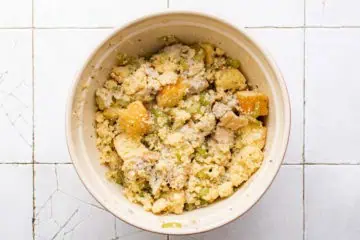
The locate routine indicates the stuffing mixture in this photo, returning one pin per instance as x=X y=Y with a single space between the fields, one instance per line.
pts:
x=180 y=129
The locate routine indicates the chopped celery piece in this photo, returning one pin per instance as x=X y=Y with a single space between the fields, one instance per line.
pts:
x=171 y=225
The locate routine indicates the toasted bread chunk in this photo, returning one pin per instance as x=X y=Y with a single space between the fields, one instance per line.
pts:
x=253 y=103
x=233 y=122
x=128 y=148
x=209 y=53
x=252 y=134
x=134 y=120
x=171 y=95
x=230 y=78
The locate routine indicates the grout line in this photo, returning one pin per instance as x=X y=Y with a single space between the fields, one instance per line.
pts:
x=55 y=163
x=304 y=122
x=33 y=118
x=301 y=27
x=331 y=27
x=14 y=28
x=16 y=163
x=272 y=27
x=168 y=237
x=321 y=164
x=32 y=163
x=303 y=201
x=70 y=27
x=331 y=164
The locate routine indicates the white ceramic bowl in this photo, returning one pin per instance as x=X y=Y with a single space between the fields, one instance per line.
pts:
x=140 y=37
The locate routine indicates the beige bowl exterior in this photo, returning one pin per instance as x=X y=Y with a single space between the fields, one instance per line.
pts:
x=141 y=37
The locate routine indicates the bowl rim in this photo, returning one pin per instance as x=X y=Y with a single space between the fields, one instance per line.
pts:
x=72 y=92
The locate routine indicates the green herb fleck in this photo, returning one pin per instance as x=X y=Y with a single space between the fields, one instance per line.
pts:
x=233 y=62
x=202 y=174
x=203 y=100
x=203 y=192
x=202 y=152
x=178 y=157
x=171 y=225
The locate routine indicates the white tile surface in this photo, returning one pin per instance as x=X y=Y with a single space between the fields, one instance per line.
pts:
x=65 y=210
x=332 y=95
x=290 y=59
x=332 y=202
x=59 y=54
x=249 y=13
x=15 y=13
x=15 y=202
x=278 y=215
x=15 y=96
x=332 y=12
x=91 y=13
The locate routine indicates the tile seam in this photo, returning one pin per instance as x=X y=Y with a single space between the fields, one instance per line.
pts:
x=33 y=119
x=304 y=125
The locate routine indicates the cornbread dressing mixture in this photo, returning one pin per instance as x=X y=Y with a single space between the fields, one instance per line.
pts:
x=180 y=129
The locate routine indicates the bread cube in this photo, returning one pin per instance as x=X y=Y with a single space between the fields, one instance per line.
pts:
x=104 y=98
x=134 y=120
x=230 y=78
x=226 y=189
x=112 y=113
x=162 y=63
x=250 y=157
x=252 y=134
x=128 y=148
x=160 y=205
x=233 y=122
x=253 y=103
x=120 y=72
x=209 y=53
x=171 y=95
x=244 y=164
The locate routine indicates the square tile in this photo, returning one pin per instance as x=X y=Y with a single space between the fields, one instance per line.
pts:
x=65 y=210
x=16 y=201
x=332 y=95
x=332 y=202
x=15 y=13
x=59 y=54
x=91 y=13
x=249 y=13
x=278 y=215
x=287 y=48
x=332 y=12
x=15 y=96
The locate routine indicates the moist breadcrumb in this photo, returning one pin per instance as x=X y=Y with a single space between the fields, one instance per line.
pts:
x=180 y=129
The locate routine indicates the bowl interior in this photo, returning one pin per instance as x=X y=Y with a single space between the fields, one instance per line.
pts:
x=142 y=38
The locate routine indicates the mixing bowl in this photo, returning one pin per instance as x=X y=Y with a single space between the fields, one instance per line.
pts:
x=141 y=37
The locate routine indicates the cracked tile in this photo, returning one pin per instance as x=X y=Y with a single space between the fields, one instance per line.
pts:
x=290 y=59
x=278 y=215
x=15 y=201
x=15 y=95
x=65 y=210
x=59 y=54
x=91 y=13
x=249 y=13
